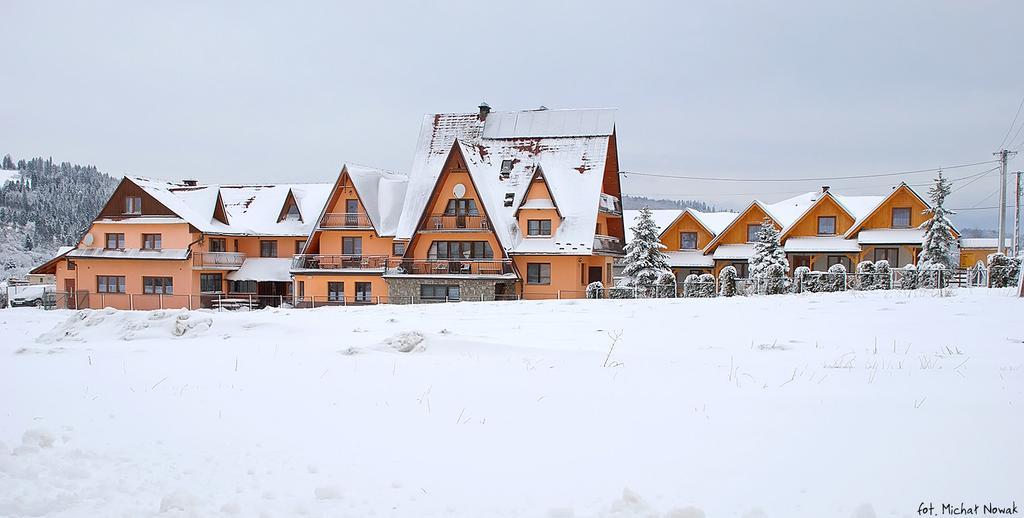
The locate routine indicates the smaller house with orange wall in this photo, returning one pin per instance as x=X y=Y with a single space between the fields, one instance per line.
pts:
x=684 y=234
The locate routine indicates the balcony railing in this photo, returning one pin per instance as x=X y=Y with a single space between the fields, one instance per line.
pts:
x=607 y=244
x=452 y=222
x=450 y=266
x=339 y=262
x=220 y=260
x=610 y=204
x=346 y=220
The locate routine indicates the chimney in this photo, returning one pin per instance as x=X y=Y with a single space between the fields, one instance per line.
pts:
x=484 y=110
x=190 y=183
x=824 y=189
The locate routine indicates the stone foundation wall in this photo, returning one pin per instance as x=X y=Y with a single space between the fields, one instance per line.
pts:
x=407 y=290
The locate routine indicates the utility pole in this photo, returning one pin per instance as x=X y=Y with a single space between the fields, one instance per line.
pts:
x=1003 y=154
x=1016 y=217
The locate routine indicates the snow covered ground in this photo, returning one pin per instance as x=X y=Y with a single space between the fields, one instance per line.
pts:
x=850 y=405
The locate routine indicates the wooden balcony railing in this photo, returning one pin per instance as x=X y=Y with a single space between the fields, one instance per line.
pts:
x=339 y=262
x=453 y=222
x=220 y=260
x=346 y=220
x=607 y=244
x=450 y=266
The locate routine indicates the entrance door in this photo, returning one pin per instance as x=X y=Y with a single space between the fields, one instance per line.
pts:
x=363 y=293
x=593 y=274
x=71 y=298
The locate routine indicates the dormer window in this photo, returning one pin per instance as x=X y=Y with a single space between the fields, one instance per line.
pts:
x=826 y=225
x=293 y=212
x=901 y=217
x=506 y=169
x=133 y=205
x=510 y=198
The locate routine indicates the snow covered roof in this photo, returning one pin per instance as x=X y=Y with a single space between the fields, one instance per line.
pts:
x=787 y=211
x=734 y=251
x=714 y=222
x=569 y=146
x=263 y=269
x=662 y=218
x=821 y=244
x=983 y=242
x=250 y=209
x=890 y=236
x=381 y=193
x=692 y=258
x=130 y=253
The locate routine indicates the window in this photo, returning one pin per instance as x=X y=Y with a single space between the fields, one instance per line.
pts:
x=460 y=250
x=901 y=217
x=398 y=248
x=151 y=241
x=298 y=246
x=133 y=205
x=351 y=213
x=268 y=248
x=687 y=240
x=439 y=292
x=336 y=291
x=741 y=269
x=158 y=285
x=115 y=241
x=506 y=169
x=840 y=259
x=461 y=207
x=293 y=212
x=302 y=289
x=211 y=282
x=538 y=273
x=218 y=244
x=826 y=225
x=352 y=245
x=236 y=245
x=71 y=264
x=538 y=227
x=752 y=230
x=887 y=254
x=242 y=286
x=363 y=292
x=110 y=283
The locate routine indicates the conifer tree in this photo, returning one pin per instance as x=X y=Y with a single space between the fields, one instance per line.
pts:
x=768 y=265
x=937 y=245
x=644 y=259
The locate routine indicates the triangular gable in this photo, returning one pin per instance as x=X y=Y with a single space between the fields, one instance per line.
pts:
x=810 y=209
x=754 y=204
x=680 y=218
x=289 y=201
x=858 y=224
x=456 y=158
x=332 y=199
x=219 y=212
x=127 y=187
x=538 y=174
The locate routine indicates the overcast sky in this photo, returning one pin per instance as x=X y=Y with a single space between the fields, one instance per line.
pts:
x=248 y=91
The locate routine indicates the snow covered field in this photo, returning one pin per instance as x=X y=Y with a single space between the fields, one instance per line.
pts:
x=849 y=405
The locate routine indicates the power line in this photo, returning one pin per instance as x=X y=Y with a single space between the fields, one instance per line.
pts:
x=1012 y=123
x=807 y=179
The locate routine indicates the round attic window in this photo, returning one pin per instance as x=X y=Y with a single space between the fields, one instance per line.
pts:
x=459 y=190
x=87 y=240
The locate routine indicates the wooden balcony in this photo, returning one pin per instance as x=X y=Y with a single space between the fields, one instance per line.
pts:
x=450 y=222
x=319 y=262
x=350 y=220
x=610 y=204
x=607 y=245
x=217 y=260
x=450 y=267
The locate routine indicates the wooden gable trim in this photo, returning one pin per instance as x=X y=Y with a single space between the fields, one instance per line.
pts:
x=114 y=207
x=859 y=225
x=807 y=212
x=314 y=233
x=715 y=241
x=680 y=218
x=289 y=200
x=456 y=153
x=538 y=174
x=219 y=212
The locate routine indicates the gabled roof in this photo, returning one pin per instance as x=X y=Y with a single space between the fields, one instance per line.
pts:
x=239 y=209
x=538 y=174
x=381 y=193
x=570 y=146
x=714 y=241
x=712 y=222
x=820 y=199
x=879 y=203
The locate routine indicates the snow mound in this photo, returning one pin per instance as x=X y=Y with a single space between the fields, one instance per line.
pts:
x=178 y=501
x=407 y=342
x=87 y=325
x=327 y=493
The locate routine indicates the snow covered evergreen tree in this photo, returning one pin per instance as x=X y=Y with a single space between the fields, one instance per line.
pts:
x=1002 y=270
x=727 y=281
x=835 y=279
x=883 y=275
x=768 y=265
x=908 y=278
x=644 y=259
x=937 y=246
x=865 y=275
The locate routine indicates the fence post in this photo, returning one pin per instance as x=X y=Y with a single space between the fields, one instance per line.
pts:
x=558 y=295
x=131 y=301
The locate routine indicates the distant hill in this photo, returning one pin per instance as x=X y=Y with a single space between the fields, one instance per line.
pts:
x=44 y=205
x=639 y=202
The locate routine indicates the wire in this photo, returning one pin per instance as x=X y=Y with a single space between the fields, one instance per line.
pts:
x=828 y=178
x=1012 y=123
